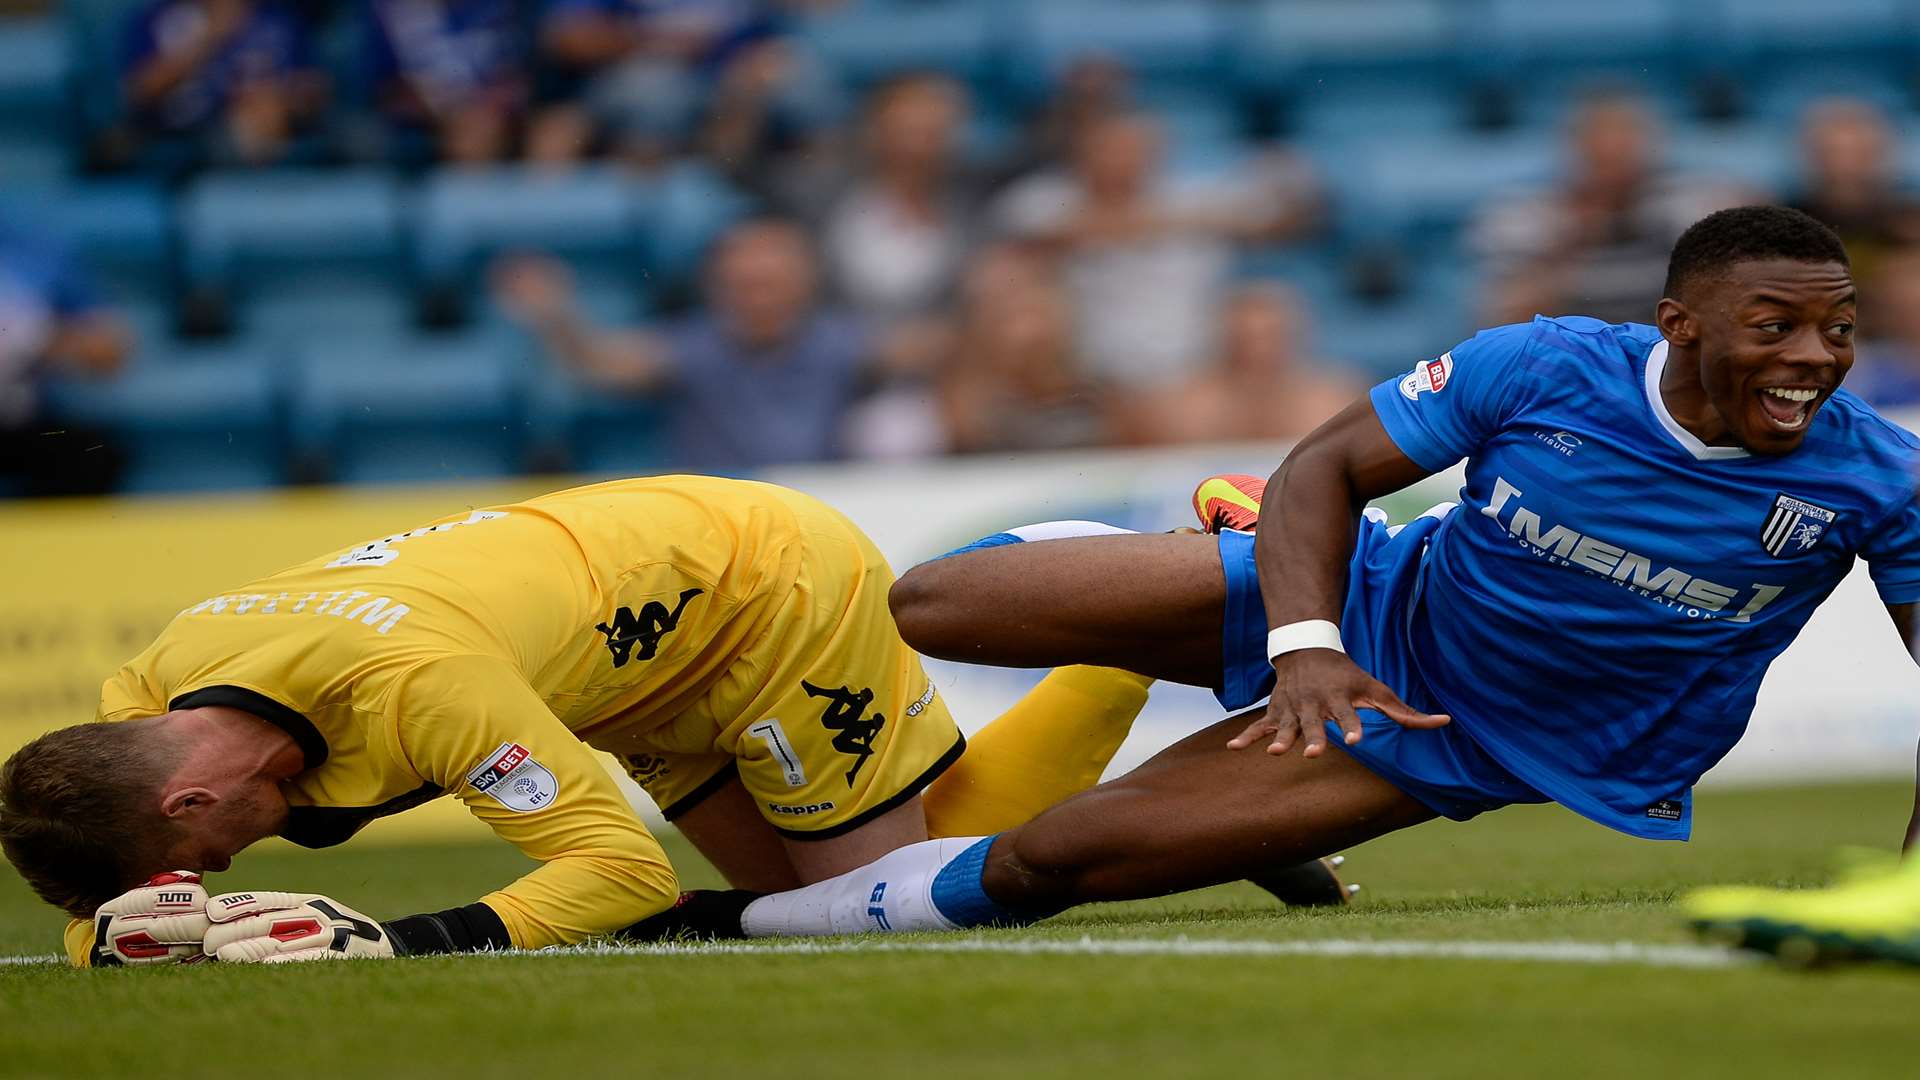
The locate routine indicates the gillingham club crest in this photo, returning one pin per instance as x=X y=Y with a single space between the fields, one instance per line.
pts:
x=1794 y=526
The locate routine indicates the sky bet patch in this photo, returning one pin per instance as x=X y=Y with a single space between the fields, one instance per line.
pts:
x=511 y=777
x=1428 y=376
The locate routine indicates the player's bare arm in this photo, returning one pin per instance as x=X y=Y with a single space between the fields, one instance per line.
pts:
x=1302 y=557
x=1903 y=622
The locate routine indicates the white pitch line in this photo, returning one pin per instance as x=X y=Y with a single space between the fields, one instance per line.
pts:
x=1547 y=952
x=24 y=961
x=1539 y=952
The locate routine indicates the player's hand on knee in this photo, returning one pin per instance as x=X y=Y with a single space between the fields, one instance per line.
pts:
x=161 y=922
x=284 y=927
x=1315 y=686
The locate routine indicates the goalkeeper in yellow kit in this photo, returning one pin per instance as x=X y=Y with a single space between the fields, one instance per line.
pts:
x=729 y=642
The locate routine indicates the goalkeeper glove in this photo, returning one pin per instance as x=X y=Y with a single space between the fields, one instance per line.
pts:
x=161 y=922
x=282 y=927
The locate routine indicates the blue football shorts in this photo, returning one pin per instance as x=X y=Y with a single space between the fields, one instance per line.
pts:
x=1443 y=768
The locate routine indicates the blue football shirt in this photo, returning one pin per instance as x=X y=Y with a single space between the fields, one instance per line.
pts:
x=1598 y=612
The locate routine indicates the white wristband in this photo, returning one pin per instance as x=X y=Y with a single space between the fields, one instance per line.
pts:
x=1306 y=634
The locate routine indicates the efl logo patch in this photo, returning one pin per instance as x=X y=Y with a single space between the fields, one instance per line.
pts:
x=1794 y=526
x=513 y=778
x=1428 y=375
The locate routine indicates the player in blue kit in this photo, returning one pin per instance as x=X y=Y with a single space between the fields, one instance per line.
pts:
x=1651 y=514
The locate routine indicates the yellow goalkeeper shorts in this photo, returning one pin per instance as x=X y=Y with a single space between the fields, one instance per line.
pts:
x=829 y=721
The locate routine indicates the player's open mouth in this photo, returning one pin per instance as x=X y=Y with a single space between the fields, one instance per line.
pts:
x=1787 y=408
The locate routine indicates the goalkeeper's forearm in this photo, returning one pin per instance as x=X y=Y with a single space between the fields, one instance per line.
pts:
x=470 y=928
x=563 y=902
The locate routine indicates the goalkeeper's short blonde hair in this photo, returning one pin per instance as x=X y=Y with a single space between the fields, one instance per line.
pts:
x=80 y=810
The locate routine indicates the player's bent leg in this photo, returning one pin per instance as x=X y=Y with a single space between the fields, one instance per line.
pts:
x=728 y=828
x=814 y=860
x=1149 y=603
x=1197 y=814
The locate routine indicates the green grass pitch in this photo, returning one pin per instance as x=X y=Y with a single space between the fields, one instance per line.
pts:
x=1521 y=876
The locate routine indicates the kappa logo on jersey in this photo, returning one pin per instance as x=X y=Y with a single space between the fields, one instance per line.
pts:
x=1428 y=375
x=846 y=716
x=512 y=777
x=1794 y=526
x=645 y=629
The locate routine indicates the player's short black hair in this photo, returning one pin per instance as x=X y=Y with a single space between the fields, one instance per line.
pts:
x=1746 y=233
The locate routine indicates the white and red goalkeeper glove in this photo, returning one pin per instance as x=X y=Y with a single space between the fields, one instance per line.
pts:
x=283 y=927
x=161 y=922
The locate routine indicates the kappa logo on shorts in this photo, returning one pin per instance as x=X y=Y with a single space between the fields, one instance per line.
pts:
x=1428 y=375
x=512 y=777
x=799 y=811
x=1665 y=810
x=846 y=716
x=647 y=768
x=645 y=629
x=1794 y=526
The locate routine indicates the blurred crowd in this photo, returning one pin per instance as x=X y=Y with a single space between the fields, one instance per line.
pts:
x=893 y=292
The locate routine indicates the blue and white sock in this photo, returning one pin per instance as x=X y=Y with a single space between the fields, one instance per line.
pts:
x=1045 y=530
x=932 y=885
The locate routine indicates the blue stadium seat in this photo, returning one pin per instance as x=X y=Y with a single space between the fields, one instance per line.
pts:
x=1381 y=339
x=1642 y=33
x=585 y=429
x=1202 y=129
x=1778 y=99
x=1795 y=27
x=389 y=410
x=684 y=210
x=313 y=305
x=1160 y=40
x=465 y=214
x=1411 y=103
x=1759 y=156
x=865 y=43
x=243 y=223
x=608 y=296
x=1313 y=272
x=1908 y=154
x=151 y=321
x=196 y=420
x=122 y=231
x=1414 y=188
x=103 y=220
x=95 y=29
x=1282 y=43
x=262 y=236
x=32 y=159
x=35 y=62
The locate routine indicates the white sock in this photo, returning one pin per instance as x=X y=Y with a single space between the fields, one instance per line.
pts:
x=1061 y=530
x=892 y=893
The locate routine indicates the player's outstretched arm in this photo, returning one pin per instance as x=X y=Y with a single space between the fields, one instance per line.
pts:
x=1904 y=622
x=475 y=728
x=1314 y=502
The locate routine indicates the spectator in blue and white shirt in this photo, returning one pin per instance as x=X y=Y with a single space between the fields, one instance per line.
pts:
x=235 y=77
x=453 y=70
x=51 y=322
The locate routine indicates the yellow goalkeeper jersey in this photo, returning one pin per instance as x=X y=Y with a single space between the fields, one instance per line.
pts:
x=477 y=655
